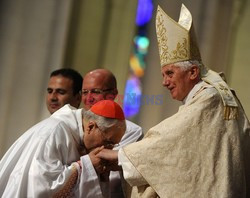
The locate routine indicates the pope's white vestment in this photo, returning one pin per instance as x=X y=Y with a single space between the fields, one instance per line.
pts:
x=194 y=153
x=43 y=161
x=132 y=134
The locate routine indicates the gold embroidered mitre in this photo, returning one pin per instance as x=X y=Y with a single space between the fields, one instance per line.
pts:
x=176 y=41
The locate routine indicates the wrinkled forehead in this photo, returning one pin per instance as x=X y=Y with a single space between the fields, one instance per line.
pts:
x=169 y=67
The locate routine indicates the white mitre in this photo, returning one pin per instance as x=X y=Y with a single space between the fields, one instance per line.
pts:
x=177 y=43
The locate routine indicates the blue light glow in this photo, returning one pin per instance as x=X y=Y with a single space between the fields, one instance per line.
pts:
x=132 y=98
x=142 y=43
x=144 y=12
x=133 y=93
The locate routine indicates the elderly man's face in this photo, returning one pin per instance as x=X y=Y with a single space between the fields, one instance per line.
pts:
x=94 y=89
x=94 y=137
x=177 y=81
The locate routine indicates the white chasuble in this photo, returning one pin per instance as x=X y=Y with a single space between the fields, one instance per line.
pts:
x=194 y=153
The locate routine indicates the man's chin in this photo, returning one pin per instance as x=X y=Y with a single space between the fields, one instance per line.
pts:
x=177 y=98
x=52 y=110
x=87 y=107
x=172 y=95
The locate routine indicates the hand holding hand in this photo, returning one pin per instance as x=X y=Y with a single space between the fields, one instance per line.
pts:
x=111 y=157
x=97 y=162
x=107 y=154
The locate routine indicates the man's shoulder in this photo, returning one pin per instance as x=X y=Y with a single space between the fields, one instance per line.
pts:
x=67 y=116
x=132 y=126
x=66 y=110
x=132 y=134
x=134 y=129
x=207 y=92
x=47 y=126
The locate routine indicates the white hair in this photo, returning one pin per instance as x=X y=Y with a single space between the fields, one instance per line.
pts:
x=185 y=65
x=102 y=122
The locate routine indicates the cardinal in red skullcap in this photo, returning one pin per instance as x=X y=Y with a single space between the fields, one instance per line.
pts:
x=59 y=154
x=108 y=109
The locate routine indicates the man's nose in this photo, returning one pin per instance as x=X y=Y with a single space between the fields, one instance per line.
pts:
x=89 y=97
x=165 y=82
x=53 y=95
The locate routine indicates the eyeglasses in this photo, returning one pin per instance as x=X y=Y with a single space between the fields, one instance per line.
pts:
x=95 y=91
x=107 y=143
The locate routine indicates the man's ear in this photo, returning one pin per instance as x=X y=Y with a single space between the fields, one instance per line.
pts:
x=195 y=72
x=112 y=95
x=91 y=126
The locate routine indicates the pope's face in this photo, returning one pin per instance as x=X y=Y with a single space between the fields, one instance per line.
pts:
x=177 y=81
x=60 y=92
x=94 y=89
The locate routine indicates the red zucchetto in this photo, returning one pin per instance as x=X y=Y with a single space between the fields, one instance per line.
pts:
x=108 y=109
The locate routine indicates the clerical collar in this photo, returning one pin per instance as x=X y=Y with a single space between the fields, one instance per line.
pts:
x=193 y=91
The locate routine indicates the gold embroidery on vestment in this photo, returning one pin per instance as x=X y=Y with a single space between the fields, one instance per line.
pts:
x=67 y=189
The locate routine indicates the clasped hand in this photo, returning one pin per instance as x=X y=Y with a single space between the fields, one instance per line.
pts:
x=104 y=160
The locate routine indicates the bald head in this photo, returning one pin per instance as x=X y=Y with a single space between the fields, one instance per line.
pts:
x=103 y=75
x=98 y=84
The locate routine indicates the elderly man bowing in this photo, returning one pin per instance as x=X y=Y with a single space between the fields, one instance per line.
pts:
x=204 y=149
x=57 y=157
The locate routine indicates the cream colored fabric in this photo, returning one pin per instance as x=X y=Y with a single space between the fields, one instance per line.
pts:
x=229 y=102
x=198 y=87
x=132 y=176
x=117 y=185
x=176 y=41
x=195 y=153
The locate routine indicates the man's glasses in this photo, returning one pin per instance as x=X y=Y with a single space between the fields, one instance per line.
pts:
x=95 y=91
x=107 y=143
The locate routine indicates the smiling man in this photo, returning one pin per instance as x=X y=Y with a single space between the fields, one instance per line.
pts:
x=180 y=80
x=204 y=149
x=64 y=87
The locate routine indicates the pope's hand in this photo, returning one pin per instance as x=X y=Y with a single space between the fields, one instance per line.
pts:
x=111 y=156
x=107 y=154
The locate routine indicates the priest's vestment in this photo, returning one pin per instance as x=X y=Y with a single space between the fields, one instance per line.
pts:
x=43 y=161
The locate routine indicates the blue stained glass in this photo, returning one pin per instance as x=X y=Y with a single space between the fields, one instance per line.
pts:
x=132 y=98
x=144 y=12
x=142 y=43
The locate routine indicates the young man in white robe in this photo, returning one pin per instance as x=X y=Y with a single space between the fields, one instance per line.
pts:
x=57 y=156
x=204 y=149
x=64 y=87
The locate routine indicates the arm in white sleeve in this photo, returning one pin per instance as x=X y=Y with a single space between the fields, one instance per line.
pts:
x=52 y=177
x=130 y=174
x=89 y=185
